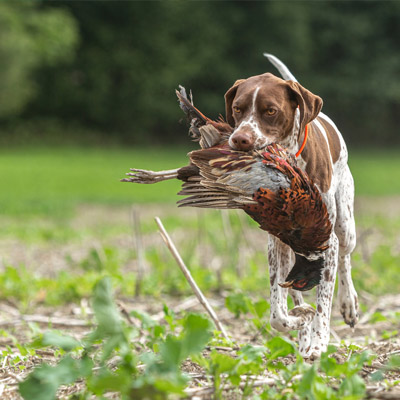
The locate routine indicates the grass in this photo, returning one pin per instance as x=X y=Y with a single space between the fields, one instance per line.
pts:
x=40 y=189
x=71 y=247
x=54 y=180
x=376 y=173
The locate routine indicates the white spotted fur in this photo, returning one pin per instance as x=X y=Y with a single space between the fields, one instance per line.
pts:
x=314 y=325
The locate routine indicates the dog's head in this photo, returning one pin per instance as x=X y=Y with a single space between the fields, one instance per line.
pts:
x=261 y=109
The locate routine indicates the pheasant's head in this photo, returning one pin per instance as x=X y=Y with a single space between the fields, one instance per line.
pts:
x=305 y=274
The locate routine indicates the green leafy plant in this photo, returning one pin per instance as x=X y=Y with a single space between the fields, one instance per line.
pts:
x=112 y=337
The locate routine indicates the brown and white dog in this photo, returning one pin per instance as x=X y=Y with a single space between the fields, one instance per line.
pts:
x=265 y=109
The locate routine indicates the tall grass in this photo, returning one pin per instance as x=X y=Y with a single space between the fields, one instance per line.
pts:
x=53 y=180
x=376 y=172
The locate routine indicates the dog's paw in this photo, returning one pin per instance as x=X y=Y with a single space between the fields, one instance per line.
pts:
x=314 y=350
x=312 y=356
x=298 y=318
x=348 y=303
x=304 y=312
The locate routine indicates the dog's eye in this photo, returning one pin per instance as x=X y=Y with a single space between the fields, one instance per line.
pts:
x=271 y=111
x=236 y=109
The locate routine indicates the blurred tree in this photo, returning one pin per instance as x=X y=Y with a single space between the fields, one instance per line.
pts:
x=29 y=38
x=132 y=55
x=357 y=58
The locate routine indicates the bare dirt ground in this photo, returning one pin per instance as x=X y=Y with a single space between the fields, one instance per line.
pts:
x=76 y=320
x=367 y=335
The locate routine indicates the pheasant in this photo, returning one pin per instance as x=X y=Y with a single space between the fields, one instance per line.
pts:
x=267 y=184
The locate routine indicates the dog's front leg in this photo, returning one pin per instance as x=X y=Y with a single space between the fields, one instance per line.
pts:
x=281 y=260
x=317 y=340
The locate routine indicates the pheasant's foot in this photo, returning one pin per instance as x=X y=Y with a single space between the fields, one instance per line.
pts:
x=147 y=176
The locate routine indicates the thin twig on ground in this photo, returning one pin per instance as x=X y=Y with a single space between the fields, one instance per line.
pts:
x=335 y=335
x=45 y=320
x=141 y=263
x=202 y=299
x=210 y=390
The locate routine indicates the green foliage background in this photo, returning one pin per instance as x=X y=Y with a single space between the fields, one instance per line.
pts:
x=106 y=71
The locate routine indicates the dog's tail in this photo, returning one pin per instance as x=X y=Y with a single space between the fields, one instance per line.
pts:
x=281 y=67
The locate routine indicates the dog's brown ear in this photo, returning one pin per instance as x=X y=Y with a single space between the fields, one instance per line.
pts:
x=229 y=96
x=310 y=105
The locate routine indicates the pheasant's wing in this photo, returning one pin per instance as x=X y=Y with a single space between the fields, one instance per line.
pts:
x=221 y=172
x=202 y=129
x=201 y=194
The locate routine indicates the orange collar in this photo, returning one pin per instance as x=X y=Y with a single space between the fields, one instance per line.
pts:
x=304 y=141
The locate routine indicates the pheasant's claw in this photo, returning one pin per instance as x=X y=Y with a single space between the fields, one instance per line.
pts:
x=146 y=176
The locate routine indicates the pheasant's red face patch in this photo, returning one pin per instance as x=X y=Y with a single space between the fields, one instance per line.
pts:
x=300 y=284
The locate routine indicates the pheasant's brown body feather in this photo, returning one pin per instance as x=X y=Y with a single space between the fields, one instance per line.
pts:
x=292 y=210
x=296 y=215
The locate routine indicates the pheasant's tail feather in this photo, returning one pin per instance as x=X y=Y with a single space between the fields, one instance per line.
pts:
x=216 y=131
x=188 y=108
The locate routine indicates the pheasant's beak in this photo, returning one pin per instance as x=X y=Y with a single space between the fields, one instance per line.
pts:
x=286 y=285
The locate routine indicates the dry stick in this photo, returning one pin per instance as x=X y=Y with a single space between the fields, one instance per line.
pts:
x=371 y=394
x=244 y=227
x=230 y=242
x=363 y=244
x=141 y=264
x=46 y=320
x=227 y=226
x=201 y=242
x=335 y=335
x=209 y=390
x=203 y=301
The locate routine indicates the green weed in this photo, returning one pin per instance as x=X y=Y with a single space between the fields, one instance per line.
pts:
x=161 y=373
x=153 y=369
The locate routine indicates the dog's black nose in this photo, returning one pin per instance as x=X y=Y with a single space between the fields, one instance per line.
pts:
x=243 y=141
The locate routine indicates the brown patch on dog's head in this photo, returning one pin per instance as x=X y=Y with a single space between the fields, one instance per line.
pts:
x=309 y=104
x=267 y=104
x=229 y=96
